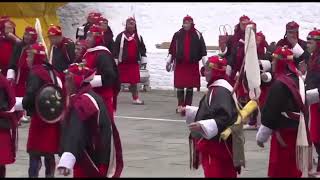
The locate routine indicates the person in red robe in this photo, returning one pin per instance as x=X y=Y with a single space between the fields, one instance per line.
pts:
x=18 y=69
x=130 y=52
x=87 y=143
x=217 y=111
x=187 y=48
x=106 y=81
x=93 y=18
x=8 y=124
x=8 y=39
x=43 y=138
x=107 y=33
x=312 y=85
x=81 y=47
x=62 y=49
x=283 y=118
x=292 y=40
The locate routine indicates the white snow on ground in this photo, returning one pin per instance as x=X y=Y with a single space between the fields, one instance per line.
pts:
x=157 y=23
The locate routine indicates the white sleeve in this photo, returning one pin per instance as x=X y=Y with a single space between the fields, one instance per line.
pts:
x=263 y=134
x=204 y=60
x=11 y=74
x=228 y=70
x=169 y=58
x=209 y=128
x=312 y=96
x=191 y=112
x=297 y=50
x=18 y=106
x=144 y=60
x=67 y=160
x=266 y=77
x=96 y=81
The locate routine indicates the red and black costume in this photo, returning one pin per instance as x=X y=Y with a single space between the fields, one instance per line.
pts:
x=283 y=111
x=6 y=45
x=8 y=124
x=88 y=144
x=130 y=51
x=63 y=54
x=217 y=111
x=187 y=48
x=40 y=131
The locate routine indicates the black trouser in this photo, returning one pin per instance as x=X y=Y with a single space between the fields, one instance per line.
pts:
x=184 y=98
x=2 y=171
x=35 y=165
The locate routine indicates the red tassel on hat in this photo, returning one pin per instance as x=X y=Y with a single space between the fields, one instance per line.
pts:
x=188 y=18
x=39 y=53
x=80 y=73
x=33 y=32
x=292 y=26
x=54 y=30
x=243 y=18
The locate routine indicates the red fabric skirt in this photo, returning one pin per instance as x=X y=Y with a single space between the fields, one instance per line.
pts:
x=43 y=137
x=216 y=159
x=263 y=95
x=6 y=147
x=20 y=89
x=107 y=96
x=187 y=75
x=85 y=169
x=282 y=160
x=315 y=123
x=129 y=73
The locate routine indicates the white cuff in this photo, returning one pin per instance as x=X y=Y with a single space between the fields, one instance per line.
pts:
x=224 y=52
x=67 y=160
x=263 y=134
x=266 y=65
x=242 y=41
x=266 y=77
x=297 y=50
x=11 y=74
x=209 y=128
x=228 y=70
x=116 y=61
x=204 y=60
x=144 y=60
x=18 y=106
x=96 y=81
x=81 y=31
x=191 y=112
x=312 y=96
x=169 y=58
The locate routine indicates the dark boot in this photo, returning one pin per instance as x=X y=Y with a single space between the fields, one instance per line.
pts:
x=180 y=96
x=2 y=171
x=50 y=165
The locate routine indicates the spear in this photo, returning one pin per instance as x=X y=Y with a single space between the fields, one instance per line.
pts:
x=40 y=36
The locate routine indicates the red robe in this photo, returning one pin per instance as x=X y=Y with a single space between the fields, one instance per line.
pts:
x=40 y=131
x=88 y=137
x=104 y=63
x=129 y=68
x=282 y=160
x=6 y=47
x=7 y=134
x=216 y=159
x=187 y=74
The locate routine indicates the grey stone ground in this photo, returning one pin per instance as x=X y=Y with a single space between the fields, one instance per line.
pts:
x=154 y=148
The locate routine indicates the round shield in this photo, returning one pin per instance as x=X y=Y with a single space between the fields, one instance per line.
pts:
x=50 y=103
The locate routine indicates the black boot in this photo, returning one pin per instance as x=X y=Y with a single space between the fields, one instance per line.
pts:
x=50 y=165
x=2 y=171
